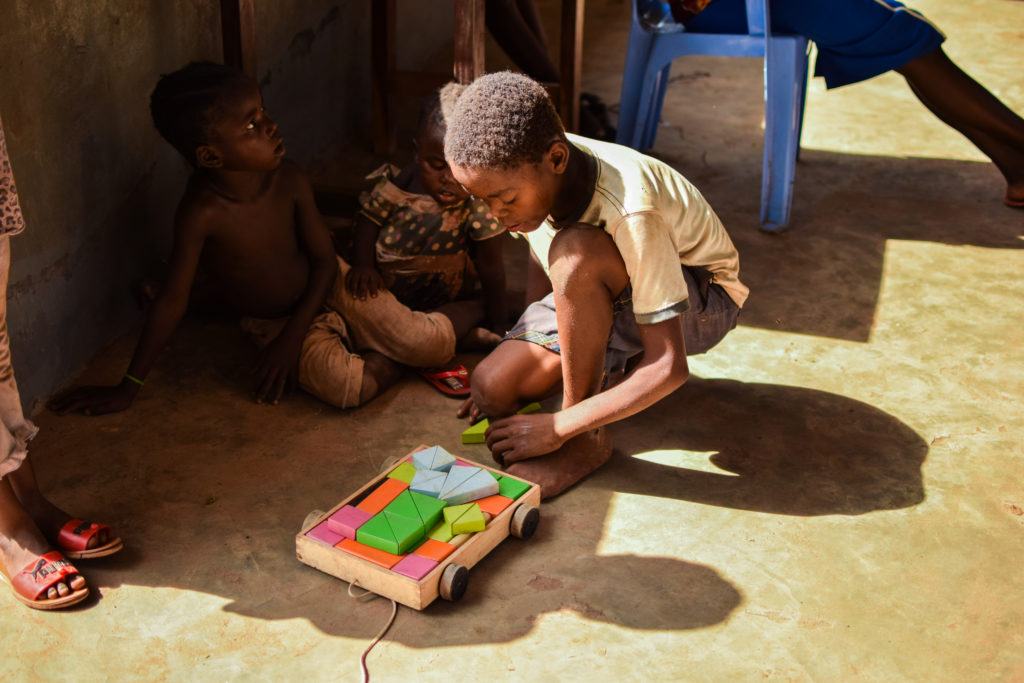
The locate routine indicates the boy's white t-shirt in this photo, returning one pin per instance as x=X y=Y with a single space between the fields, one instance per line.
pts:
x=658 y=221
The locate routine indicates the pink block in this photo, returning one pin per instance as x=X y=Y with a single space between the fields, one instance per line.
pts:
x=346 y=520
x=466 y=463
x=322 y=532
x=414 y=566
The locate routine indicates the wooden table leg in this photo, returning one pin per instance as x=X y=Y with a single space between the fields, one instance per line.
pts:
x=238 y=34
x=571 y=63
x=383 y=74
x=469 y=40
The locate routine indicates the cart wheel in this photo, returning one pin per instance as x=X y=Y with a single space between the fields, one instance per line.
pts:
x=390 y=463
x=524 y=521
x=454 y=580
x=312 y=517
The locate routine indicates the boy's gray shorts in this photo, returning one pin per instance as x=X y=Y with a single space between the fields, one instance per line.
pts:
x=711 y=315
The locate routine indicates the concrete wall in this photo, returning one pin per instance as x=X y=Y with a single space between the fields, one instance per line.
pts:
x=97 y=184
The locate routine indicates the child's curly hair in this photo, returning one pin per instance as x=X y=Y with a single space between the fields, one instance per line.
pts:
x=184 y=104
x=436 y=108
x=501 y=120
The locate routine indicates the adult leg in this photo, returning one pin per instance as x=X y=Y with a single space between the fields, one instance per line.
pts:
x=587 y=273
x=960 y=101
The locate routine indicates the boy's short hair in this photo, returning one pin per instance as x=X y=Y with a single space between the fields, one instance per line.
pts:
x=501 y=120
x=184 y=104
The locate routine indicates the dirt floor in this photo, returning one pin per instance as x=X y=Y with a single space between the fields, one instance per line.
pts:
x=835 y=495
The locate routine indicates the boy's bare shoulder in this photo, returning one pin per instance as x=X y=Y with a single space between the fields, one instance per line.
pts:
x=197 y=207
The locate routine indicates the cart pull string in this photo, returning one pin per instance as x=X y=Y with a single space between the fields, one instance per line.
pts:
x=366 y=596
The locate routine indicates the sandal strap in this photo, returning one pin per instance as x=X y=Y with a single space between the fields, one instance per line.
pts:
x=42 y=574
x=76 y=533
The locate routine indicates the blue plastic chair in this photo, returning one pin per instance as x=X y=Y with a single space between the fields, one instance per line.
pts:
x=645 y=79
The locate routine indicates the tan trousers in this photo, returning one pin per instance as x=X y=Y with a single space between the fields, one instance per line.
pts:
x=15 y=430
x=330 y=366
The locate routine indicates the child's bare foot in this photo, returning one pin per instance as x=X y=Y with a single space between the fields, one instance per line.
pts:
x=51 y=520
x=576 y=459
x=379 y=373
x=479 y=339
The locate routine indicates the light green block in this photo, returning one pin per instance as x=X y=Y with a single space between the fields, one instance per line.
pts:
x=472 y=520
x=475 y=433
x=442 y=532
x=404 y=472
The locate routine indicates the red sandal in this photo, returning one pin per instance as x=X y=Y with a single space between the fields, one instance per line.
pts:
x=449 y=381
x=74 y=537
x=45 y=572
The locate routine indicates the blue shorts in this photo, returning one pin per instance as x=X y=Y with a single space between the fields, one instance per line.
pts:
x=856 y=39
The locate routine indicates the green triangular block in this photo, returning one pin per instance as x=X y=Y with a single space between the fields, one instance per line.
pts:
x=429 y=508
x=530 y=408
x=404 y=472
x=376 y=532
x=407 y=531
x=404 y=505
x=470 y=521
x=475 y=433
x=453 y=512
x=512 y=488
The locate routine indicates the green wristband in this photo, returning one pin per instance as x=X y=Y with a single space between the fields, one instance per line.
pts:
x=132 y=378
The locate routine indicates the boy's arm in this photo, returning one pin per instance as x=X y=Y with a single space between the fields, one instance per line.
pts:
x=164 y=316
x=662 y=370
x=491 y=268
x=278 y=361
x=363 y=278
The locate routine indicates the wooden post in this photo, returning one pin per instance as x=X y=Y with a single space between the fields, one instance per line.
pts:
x=469 y=40
x=238 y=34
x=571 y=63
x=382 y=59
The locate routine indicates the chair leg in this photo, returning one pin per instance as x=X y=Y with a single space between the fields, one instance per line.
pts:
x=782 y=101
x=637 y=54
x=802 y=82
x=651 y=126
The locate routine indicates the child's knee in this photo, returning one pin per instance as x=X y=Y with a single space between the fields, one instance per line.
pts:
x=492 y=391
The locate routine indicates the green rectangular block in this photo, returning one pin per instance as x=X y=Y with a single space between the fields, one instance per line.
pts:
x=512 y=488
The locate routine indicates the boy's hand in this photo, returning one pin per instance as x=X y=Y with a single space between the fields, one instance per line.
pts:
x=470 y=410
x=520 y=437
x=277 y=366
x=364 y=281
x=95 y=400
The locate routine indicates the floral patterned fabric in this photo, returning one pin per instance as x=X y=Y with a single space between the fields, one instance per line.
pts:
x=11 y=220
x=423 y=248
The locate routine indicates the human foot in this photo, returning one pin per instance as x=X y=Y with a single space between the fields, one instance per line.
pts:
x=76 y=538
x=479 y=339
x=379 y=373
x=40 y=577
x=576 y=459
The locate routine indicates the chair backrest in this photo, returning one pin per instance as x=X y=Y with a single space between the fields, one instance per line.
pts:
x=757 y=13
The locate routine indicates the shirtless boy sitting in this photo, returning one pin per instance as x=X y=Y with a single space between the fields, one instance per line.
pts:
x=248 y=220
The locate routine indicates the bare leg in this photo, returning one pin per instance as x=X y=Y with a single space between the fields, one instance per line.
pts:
x=379 y=373
x=964 y=104
x=47 y=516
x=587 y=273
x=21 y=541
x=516 y=373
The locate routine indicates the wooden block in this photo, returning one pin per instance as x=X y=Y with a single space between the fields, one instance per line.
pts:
x=404 y=472
x=346 y=520
x=414 y=566
x=377 y=533
x=512 y=488
x=453 y=512
x=442 y=532
x=433 y=458
x=323 y=533
x=529 y=408
x=386 y=560
x=472 y=520
x=457 y=475
x=479 y=485
x=428 y=482
x=382 y=495
x=475 y=433
x=494 y=504
x=407 y=531
x=428 y=507
x=404 y=505
x=434 y=550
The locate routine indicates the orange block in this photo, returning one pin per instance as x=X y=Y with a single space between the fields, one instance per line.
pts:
x=386 y=560
x=382 y=495
x=435 y=550
x=493 y=504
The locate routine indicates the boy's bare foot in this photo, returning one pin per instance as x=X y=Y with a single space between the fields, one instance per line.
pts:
x=576 y=459
x=379 y=373
x=51 y=519
x=479 y=339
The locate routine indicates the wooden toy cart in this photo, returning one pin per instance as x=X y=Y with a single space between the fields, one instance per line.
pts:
x=448 y=579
